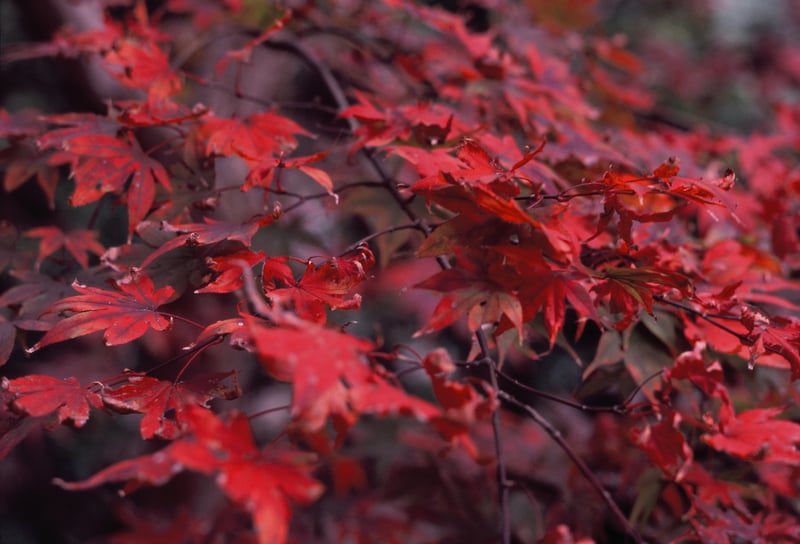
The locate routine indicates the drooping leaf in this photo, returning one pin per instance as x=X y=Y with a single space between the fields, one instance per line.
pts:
x=163 y=402
x=780 y=335
x=666 y=446
x=156 y=469
x=124 y=314
x=38 y=395
x=229 y=270
x=261 y=485
x=143 y=66
x=102 y=163
x=258 y=136
x=77 y=242
x=210 y=232
x=322 y=285
x=756 y=435
x=265 y=172
x=330 y=375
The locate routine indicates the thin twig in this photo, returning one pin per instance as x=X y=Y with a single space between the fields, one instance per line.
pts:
x=616 y=408
x=502 y=479
x=388 y=230
x=703 y=315
x=587 y=473
x=269 y=411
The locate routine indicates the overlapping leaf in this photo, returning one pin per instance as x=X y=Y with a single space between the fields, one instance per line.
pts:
x=163 y=402
x=38 y=395
x=322 y=285
x=124 y=314
x=77 y=242
x=263 y=485
x=330 y=374
x=102 y=163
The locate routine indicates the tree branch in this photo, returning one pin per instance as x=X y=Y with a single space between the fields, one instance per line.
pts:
x=587 y=473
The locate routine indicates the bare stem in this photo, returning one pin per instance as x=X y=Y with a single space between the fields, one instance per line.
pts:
x=502 y=479
x=703 y=315
x=587 y=473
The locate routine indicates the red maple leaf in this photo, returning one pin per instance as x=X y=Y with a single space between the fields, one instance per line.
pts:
x=76 y=125
x=143 y=66
x=225 y=448
x=263 y=486
x=229 y=270
x=243 y=54
x=462 y=403
x=629 y=289
x=23 y=163
x=666 y=446
x=210 y=232
x=779 y=335
x=330 y=373
x=321 y=285
x=756 y=435
x=479 y=298
x=263 y=174
x=38 y=395
x=163 y=402
x=156 y=469
x=102 y=164
x=124 y=315
x=77 y=242
x=258 y=136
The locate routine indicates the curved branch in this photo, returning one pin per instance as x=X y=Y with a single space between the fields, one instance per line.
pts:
x=587 y=473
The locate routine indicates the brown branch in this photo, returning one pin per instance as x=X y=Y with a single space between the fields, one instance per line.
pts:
x=703 y=315
x=587 y=473
x=502 y=473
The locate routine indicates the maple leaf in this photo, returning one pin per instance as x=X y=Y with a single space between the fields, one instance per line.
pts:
x=690 y=365
x=259 y=135
x=229 y=269
x=243 y=54
x=628 y=288
x=322 y=365
x=163 y=402
x=236 y=328
x=76 y=125
x=124 y=315
x=264 y=172
x=381 y=122
x=69 y=43
x=321 y=285
x=224 y=448
x=480 y=300
x=779 y=335
x=23 y=163
x=666 y=446
x=102 y=164
x=263 y=487
x=210 y=232
x=462 y=403
x=483 y=186
x=756 y=435
x=143 y=66
x=38 y=395
x=330 y=374
x=77 y=242
x=156 y=469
